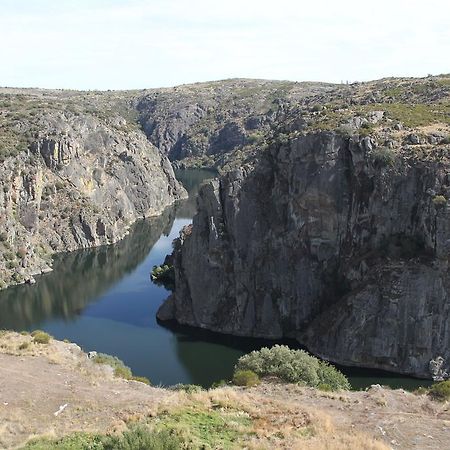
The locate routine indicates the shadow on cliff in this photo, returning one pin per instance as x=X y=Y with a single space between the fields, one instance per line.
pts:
x=80 y=277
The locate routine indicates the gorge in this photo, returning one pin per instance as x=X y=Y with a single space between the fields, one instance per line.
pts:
x=327 y=225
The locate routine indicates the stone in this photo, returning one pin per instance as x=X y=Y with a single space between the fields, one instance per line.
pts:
x=316 y=241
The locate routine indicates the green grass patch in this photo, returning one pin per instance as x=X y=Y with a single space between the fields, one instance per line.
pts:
x=208 y=429
x=138 y=437
x=413 y=115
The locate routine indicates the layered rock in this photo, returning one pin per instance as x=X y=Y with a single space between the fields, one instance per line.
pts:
x=81 y=183
x=336 y=241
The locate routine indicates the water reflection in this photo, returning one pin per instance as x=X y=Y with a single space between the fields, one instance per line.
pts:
x=81 y=277
x=103 y=300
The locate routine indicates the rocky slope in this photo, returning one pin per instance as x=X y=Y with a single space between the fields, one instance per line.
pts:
x=339 y=239
x=208 y=123
x=71 y=178
x=79 y=167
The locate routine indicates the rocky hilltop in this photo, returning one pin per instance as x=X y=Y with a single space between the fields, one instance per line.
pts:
x=336 y=233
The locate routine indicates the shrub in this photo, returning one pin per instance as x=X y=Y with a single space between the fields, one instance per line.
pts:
x=219 y=384
x=439 y=201
x=142 y=438
x=440 y=391
x=189 y=388
x=138 y=437
x=144 y=380
x=164 y=275
x=24 y=345
x=245 y=378
x=120 y=369
x=384 y=156
x=40 y=337
x=292 y=366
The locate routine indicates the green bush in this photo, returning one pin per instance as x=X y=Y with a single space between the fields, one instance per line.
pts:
x=292 y=366
x=138 y=437
x=219 y=384
x=440 y=391
x=141 y=438
x=439 y=201
x=164 y=275
x=120 y=369
x=245 y=378
x=24 y=345
x=40 y=337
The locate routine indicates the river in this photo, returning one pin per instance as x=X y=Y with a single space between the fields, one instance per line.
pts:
x=103 y=300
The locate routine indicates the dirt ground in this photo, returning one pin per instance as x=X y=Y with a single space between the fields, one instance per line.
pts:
x=55 y=389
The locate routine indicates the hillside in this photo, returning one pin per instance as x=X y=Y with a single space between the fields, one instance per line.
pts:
x=85 y=396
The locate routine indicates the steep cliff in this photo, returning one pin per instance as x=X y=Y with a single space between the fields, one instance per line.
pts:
x=338 y=239
x=71 y=179
x=207 y=124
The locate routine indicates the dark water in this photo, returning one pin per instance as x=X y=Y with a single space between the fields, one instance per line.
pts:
x=103 y=300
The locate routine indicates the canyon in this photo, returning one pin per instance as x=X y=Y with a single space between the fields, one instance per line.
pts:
x=327 y=224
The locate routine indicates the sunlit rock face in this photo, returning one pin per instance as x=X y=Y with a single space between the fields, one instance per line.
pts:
x=325 y=240
x=82 y=187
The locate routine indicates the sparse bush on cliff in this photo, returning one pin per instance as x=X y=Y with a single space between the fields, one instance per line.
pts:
x=440 y=391
x=292 y=366
x=245 y=378
x=384 y=156
x=164 y=275
x=188 y=388
x=120 y=369
x=40 y=337
x=439 y=201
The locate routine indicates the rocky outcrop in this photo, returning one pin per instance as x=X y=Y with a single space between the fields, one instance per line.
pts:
x=203 y=121
x=81 y=183
x=336 y=241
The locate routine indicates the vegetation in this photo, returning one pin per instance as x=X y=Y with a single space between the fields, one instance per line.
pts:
x=383 y=156
x=188 y=388
x=440 y=391
x=40 y=337
x=206 y=429
x=246 y=378
x=138 y=437
x=439 y=201
x=120 y=369
x=293 y=366
x=164 y=275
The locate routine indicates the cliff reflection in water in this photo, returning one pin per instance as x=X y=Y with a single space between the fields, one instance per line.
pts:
x=80 y=277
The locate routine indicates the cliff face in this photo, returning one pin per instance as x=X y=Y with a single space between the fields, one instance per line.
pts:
x=339 y=242
x=80 y=182
x=203 y=123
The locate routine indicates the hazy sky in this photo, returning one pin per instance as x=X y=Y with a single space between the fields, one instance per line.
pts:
x=122 y=44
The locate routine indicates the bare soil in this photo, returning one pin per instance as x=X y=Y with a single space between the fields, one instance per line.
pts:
x=38 y=381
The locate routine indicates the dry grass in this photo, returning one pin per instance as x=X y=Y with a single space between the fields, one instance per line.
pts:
x=269 y=416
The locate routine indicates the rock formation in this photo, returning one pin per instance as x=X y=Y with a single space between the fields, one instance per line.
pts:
x=336 y=239
x=80 y=182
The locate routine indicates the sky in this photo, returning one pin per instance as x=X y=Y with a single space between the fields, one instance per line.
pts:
x=134 y=44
